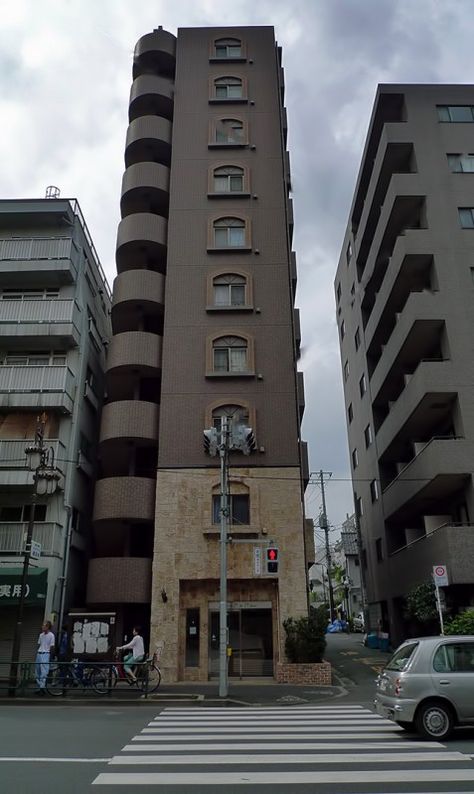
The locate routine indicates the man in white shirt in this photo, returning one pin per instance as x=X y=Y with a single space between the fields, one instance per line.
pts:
x=138 y=653
x=46 y=642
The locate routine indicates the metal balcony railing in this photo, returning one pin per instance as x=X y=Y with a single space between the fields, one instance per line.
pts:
x=54 y=310
x=49 y=534
x=36 y=248
x=12 y=452
x=48 y=377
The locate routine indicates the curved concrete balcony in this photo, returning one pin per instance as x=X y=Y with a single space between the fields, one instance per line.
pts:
x=122 y=499
x=136 y=293
x=155 y=53
x=148 y=140
x=145 y=188
x=142 y=242
x=151 y=96
x=119 y=580
x=129 y=420
x=135 y=350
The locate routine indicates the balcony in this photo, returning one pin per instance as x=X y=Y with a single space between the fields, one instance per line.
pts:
x=439 y=470
x=416 y=335
x=149 y=140
x=137 y=293
x=45 y=387
x=45 y=322
x=402 y=209
x=450 y=544
x=304 y=462
x=300 y=394
x=13 y=471
x=54 y=258
x=427 y=394
x=145 y=188
x=155 y=53
x=122 y=499
x=127 y=425
x=142 y=242
x=119 y=580
x=50 y=535
x=134 y=350
x=409 y=266
x=297 y=329
x=151 y=96
x=293 y=272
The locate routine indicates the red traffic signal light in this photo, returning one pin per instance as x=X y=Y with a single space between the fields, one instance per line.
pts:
x=272 y=560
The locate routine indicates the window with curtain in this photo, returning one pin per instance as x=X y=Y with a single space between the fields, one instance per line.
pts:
x=461 y=163
x=229 y=290
x=228 y=88
x=230 y=354
x=229 y=233
x=229 y=179
x=229 y=131
x=228 y=48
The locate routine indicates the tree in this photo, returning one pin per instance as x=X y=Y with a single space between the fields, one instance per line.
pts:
x=421 y=603
x=461 y=624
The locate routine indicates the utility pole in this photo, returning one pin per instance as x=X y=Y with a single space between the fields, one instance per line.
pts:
x=224 y=458
x=363 y=591
x=324 y=525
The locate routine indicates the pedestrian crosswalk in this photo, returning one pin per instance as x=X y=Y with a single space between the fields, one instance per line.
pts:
x=292 y=747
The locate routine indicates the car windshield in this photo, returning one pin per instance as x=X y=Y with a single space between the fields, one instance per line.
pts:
x=401 y=657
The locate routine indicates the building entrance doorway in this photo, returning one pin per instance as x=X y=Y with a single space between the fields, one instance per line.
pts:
x=250 y=637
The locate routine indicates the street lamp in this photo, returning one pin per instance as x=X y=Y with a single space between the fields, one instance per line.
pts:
x=40 y=461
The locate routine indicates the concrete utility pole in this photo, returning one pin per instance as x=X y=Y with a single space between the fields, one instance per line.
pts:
x=324 y=525
x=224 y=458
x=363 y=591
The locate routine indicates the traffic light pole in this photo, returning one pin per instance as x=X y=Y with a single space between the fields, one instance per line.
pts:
x=223 y=454
x=328 y=551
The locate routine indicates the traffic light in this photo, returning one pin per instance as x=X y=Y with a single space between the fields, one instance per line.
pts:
x=210 y=441
x=243 y=439
x=271 y=556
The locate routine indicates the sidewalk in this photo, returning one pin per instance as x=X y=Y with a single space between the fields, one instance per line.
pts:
x=354 y=670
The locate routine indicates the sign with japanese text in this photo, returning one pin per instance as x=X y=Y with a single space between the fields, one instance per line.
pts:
x=440 y=575
x=10 y=587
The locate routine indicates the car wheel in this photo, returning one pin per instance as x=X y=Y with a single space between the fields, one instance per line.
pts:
x=434 y=720
x=407 y=726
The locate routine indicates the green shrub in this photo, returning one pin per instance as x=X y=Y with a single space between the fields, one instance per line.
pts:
x=305 y=637
x=461 y=624
x=421 y=603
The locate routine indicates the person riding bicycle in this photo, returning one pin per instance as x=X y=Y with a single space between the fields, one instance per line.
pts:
x=138 y=653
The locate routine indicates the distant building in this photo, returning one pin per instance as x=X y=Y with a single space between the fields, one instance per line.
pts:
x=204 y=327
x=352 y=584
x=405 y=312
x=54 y=328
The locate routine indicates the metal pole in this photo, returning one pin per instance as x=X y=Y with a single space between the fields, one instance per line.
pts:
x=363 y=590
x=223 y=453
x=328 y=551
x=440 y=611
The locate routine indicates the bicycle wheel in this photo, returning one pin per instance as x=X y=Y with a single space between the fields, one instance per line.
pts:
x=58 y=681
x=154 y=679
x=98 y=681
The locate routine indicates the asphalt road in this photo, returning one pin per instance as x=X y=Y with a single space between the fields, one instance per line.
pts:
x=325 y=746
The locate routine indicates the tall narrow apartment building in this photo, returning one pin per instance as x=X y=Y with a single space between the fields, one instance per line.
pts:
x=204 y=326
x=54 y=329
x=404 y=294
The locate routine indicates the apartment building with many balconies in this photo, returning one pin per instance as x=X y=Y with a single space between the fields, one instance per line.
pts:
x=204 y=326
x=54 y=328
x=405 y=312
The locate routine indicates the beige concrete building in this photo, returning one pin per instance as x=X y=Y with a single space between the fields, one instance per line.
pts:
x=204 y=327
x=404 y=293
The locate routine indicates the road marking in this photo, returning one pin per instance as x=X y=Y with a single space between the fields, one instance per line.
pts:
x=277 y=745
x=228 y=735
x=291 y=758
x=232 y=729
x=275 y=778
x=269 y=710
x=47 y=760
x=374 y=723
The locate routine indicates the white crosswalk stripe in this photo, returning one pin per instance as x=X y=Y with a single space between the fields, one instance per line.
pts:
x=323 y=746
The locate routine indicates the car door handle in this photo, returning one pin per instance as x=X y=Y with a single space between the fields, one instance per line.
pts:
x=443 y=681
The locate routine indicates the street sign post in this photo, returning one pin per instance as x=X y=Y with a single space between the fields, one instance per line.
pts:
x=440 y=579
x=257 y=560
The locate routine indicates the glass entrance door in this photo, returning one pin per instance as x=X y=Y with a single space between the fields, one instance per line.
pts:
x=251 y=640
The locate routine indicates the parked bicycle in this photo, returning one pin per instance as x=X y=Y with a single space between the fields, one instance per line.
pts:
x=64 y=676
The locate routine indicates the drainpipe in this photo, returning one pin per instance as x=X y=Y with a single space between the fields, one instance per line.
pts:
x=63 y=577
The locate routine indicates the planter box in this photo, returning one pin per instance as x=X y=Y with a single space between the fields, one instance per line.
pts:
x=317 y=673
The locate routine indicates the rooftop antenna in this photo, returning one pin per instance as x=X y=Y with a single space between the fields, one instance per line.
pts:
x=52 y=192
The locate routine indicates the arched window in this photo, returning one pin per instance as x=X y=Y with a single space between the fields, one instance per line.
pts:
x=236 y=415
x=229 y=290
x=228 y=88
x=228 y=48
x=228 y=179
x=229 y=233
x=230 y=131
x=230 y=354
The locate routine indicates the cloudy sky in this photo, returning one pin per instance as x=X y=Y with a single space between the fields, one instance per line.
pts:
x=65 y=73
